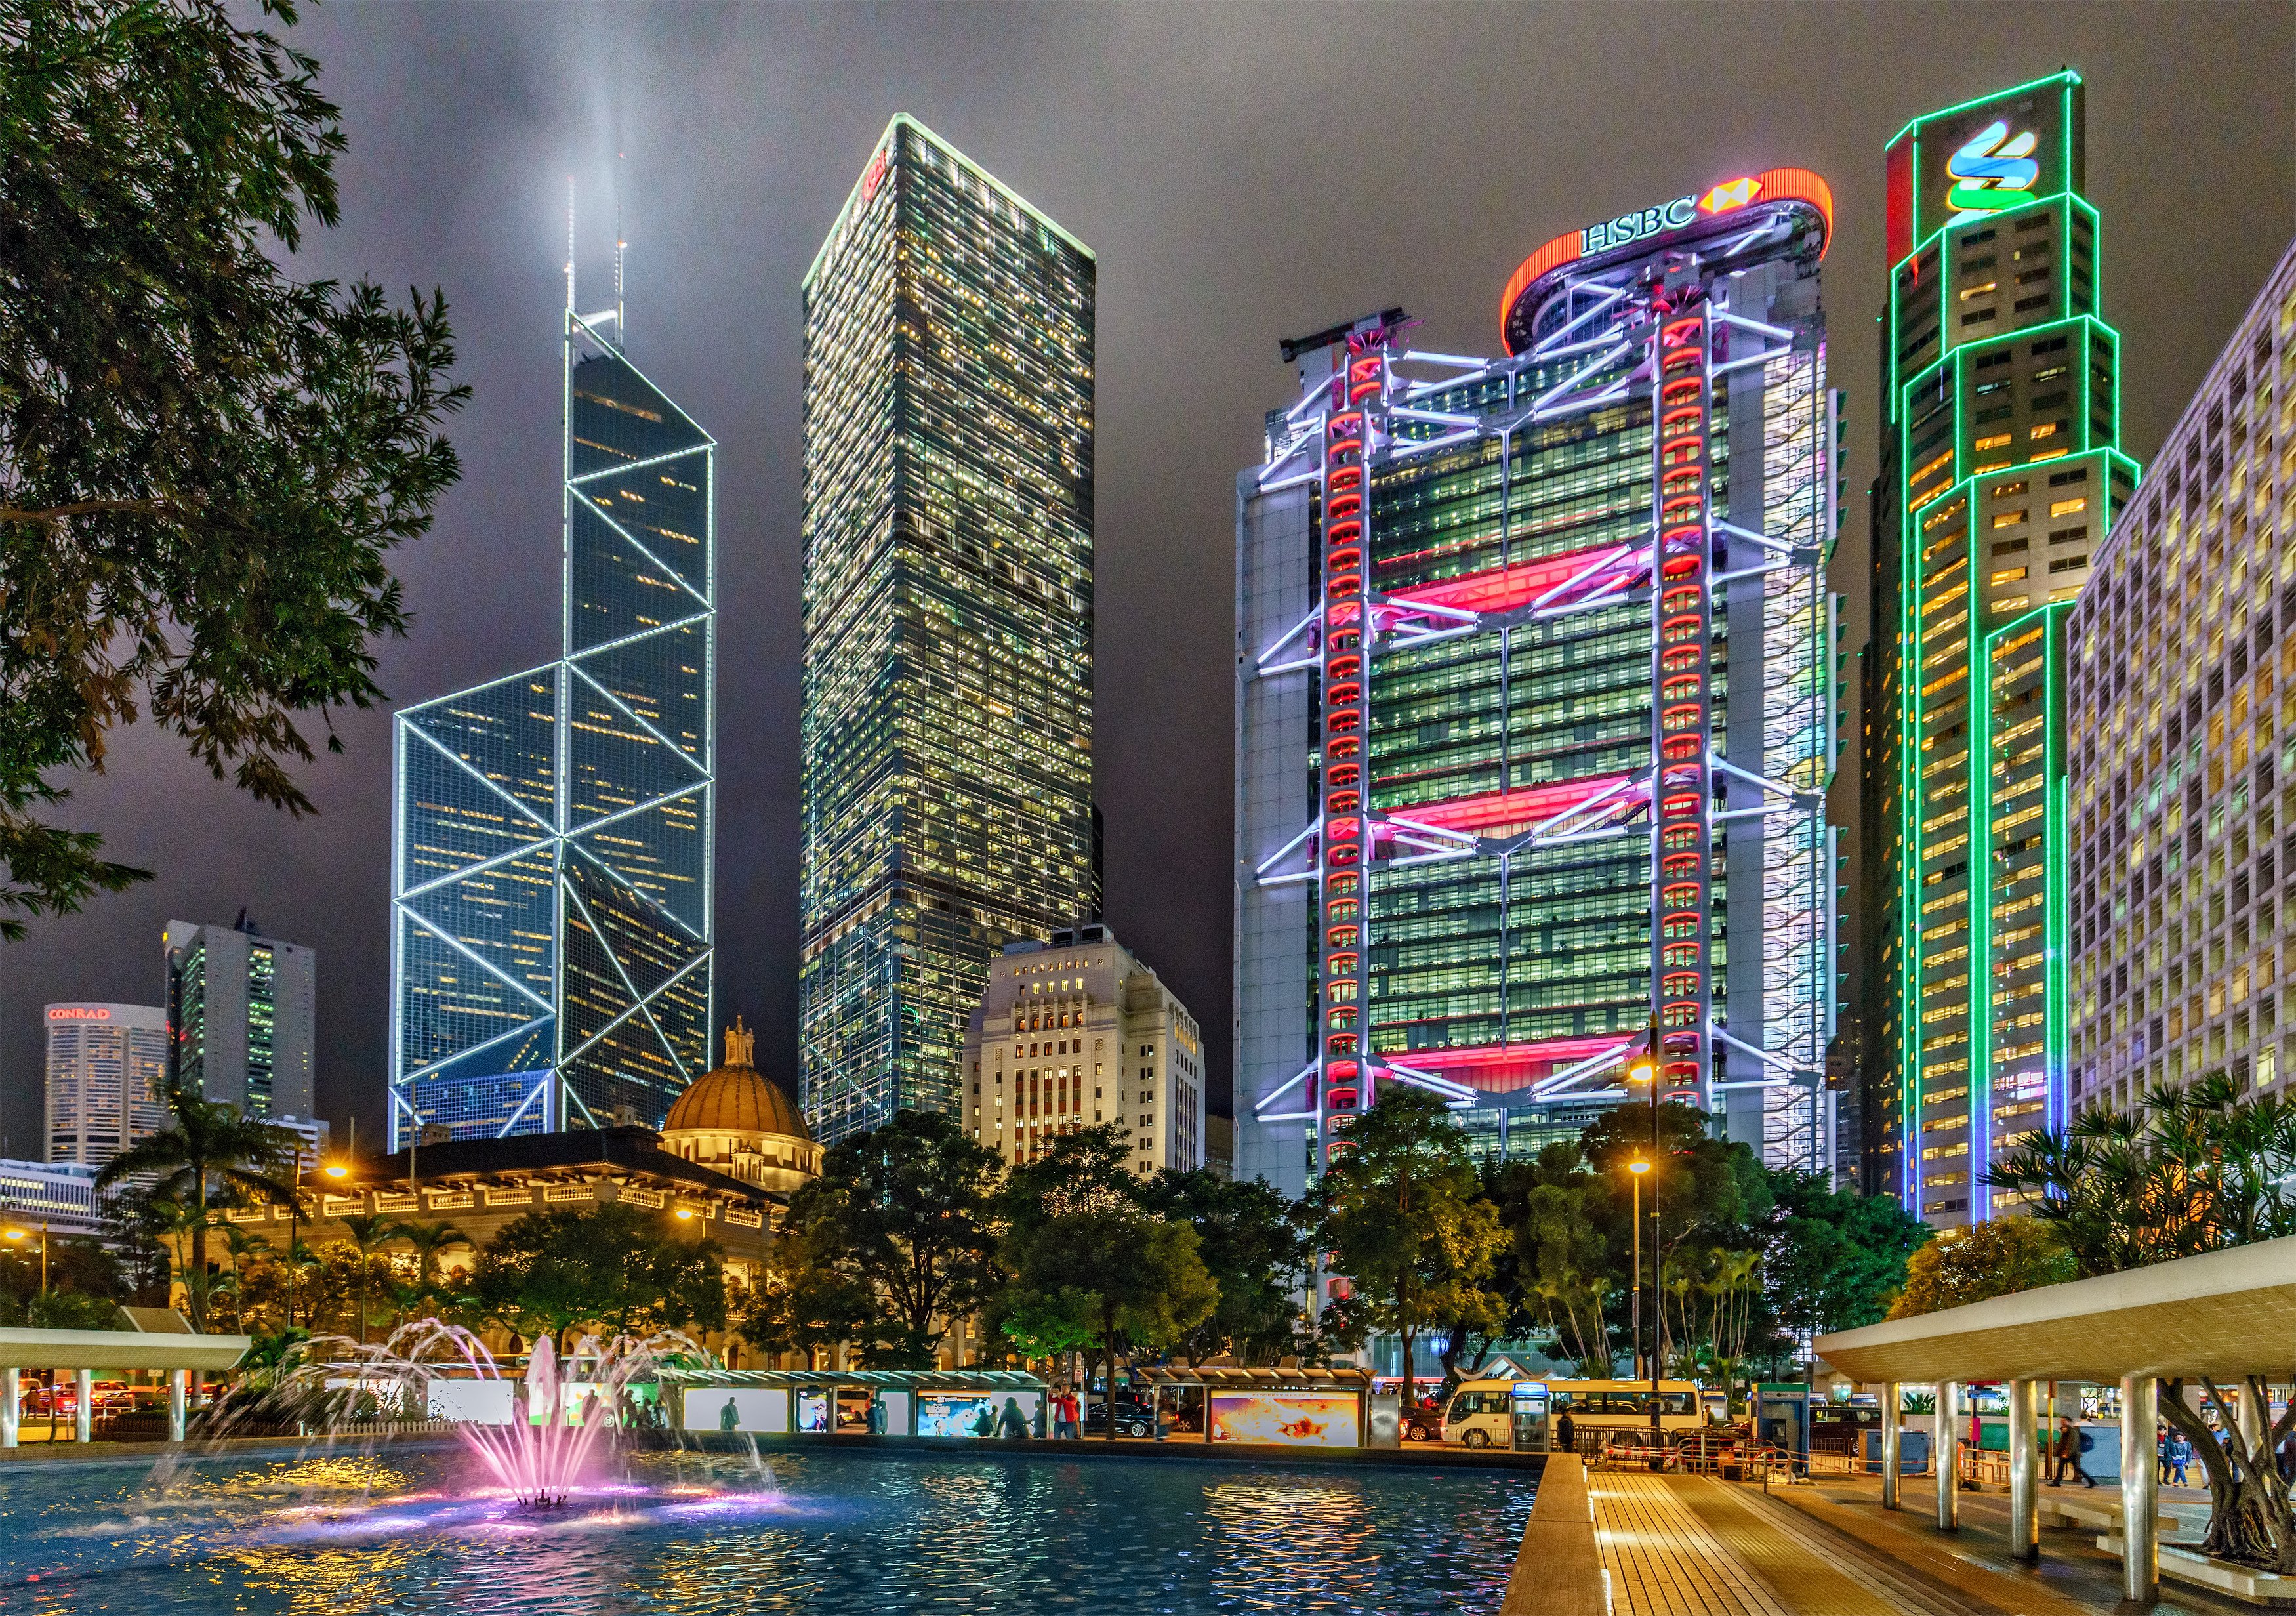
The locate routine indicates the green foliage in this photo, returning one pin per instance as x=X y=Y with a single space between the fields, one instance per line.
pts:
x=203 y=462
x=616 y=1266
x=1253 y=1241
x=900 y=1216
x=804 y=1303
x=2189 y=1170
x=54 y=1309
x=1401 y=1211
x=1093 y=1264
x=1996 y=1258
x=209 y=1158
x=1833 y=1260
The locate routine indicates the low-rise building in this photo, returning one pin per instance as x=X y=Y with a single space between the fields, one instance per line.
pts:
x=57 y=1197
x=1074 y=1032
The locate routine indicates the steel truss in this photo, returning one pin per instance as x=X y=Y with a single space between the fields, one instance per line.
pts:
x=1665 y=335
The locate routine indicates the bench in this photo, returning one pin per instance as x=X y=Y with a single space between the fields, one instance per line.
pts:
x=2104 y=1514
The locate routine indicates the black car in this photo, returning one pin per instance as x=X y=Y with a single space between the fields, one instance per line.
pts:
x=1132 y=1419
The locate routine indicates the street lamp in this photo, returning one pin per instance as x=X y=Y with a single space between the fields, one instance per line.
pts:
x=1637 y=1167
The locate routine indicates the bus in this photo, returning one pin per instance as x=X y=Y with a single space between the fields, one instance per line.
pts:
x=1477 y=1414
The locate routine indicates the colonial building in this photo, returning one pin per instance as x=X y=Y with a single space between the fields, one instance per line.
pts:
x=725 y=1167
x=1078 y=1031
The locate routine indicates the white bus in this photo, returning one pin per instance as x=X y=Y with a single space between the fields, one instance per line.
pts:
x=1478 y=1416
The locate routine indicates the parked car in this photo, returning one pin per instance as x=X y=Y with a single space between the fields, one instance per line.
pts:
x=1132 y=1419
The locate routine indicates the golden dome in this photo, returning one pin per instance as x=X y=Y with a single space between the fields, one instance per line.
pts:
x=736 y=1098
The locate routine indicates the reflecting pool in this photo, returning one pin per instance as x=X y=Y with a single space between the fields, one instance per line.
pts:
x=825 y=1533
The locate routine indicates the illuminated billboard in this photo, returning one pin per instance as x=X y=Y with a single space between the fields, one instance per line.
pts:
x=1286 y=1419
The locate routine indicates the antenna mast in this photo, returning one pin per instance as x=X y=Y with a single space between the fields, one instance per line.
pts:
x=569 y=243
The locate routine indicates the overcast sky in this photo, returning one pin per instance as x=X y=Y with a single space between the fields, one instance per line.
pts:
x=1244 y=172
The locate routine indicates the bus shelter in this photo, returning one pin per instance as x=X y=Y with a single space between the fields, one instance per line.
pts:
x=2223 y=1315
x=1285 y=1407
x=84 y=1354
x=963 y=1403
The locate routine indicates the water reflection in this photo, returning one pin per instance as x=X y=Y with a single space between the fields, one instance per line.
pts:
x=823 y=1534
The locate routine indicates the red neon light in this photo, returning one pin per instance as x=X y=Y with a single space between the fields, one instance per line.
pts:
x=1524 y=807
x=78 y=1013
x=1504 y=1068
x=1503 y=588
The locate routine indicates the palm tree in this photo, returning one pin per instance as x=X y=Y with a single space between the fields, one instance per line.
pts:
x=242 y=1244
x=369 y=1233
x=210 y=1151
x=429 y=1240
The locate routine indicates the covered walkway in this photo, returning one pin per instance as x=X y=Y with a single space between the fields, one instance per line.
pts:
x=2223 y=1315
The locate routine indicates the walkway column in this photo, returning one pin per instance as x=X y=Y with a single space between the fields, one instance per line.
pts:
x=84 y=1405
x=2024 y=1473
x=1893 y=1424
x=1946 y=1456
x=2140 y=1490
x=179 y=1396
x=11 y=1407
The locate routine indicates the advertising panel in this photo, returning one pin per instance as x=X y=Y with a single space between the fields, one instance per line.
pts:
x=979 y=1414
x=473 y=1402
x=737 y=1408
x=1290 y=1419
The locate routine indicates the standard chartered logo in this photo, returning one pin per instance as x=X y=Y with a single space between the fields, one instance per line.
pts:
x=1992 y=173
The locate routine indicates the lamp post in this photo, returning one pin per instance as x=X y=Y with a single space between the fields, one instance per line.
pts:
x=1644 y=1069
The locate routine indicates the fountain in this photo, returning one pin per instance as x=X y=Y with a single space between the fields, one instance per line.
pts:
x=538 y=1438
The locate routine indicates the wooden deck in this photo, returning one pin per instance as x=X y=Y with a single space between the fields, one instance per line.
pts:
x=1691 y=1546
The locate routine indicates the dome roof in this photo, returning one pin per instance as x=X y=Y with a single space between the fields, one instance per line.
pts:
x=736 y=1098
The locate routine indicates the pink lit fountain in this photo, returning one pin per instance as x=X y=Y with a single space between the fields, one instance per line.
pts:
x=536 y=1433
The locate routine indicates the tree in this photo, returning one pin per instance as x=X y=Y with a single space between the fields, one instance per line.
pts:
x=2187 y=1171
x=1095 y=1264
x=803 y=1303
x=430 y=1241
x=203 y=462
x=1400 y=1210
x=1250 y=1240
x=368 y=1235
x=616 y=1266
x=209 y=1154
x=1833 y=1260
x=1996 y=1258
x=902 y=1212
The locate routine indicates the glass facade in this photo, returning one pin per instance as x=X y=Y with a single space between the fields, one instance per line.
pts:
x=1514 y=752
x=947 y=727
x=2001 y=474
x=551 y=882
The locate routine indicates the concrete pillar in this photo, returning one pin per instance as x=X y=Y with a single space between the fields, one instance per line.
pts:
x=2024 y=1473
x=82 y=1406
x=1893 y=1424
x=11 y=1406
x=1946 y=1446
x=179 y=1397
x=2140 y=1490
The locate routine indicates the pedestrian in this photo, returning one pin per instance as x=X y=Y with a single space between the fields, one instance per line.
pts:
x=2070 y=1441
x=2160 y=1451
x=1072 y=1414
x=2180 y=1454
x=729 y=1417
x=1566 y=1434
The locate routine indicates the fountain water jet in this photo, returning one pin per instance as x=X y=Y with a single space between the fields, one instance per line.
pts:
x=550 y=1440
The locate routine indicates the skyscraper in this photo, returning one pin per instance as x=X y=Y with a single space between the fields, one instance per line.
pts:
x=1536 y=699
x=107 y=1065
x=551 y=877
x=2183 y=778
x=947 y=684
x=242 y=1017
x=2001 y=472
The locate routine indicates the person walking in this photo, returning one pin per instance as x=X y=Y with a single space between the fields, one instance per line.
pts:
x=2180 y=1454
x=1566 y=1434
x=2068 y=1455
x=2161 y=1452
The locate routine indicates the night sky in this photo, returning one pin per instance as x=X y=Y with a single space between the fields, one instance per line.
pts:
x=1245 y=173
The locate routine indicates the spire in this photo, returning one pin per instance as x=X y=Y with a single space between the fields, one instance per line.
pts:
x=569 y=243
x=621 y=247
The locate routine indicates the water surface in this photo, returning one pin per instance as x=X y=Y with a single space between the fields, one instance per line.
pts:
x=827 y=1534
